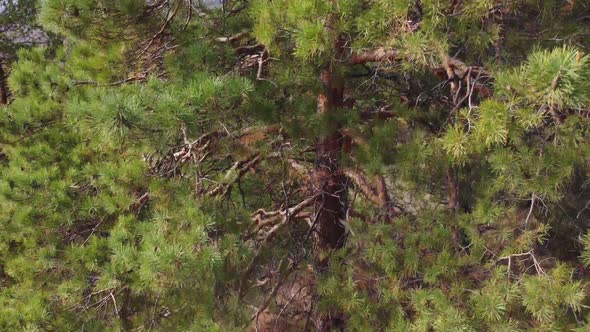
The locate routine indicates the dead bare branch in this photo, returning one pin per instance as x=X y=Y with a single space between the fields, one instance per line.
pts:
x=374 y=190
x=276 y=219
x=376 y=55
x=233 y=175
x=234 y=38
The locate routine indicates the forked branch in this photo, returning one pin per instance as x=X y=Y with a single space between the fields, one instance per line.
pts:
x=374 y=190
x=233 y=175
x=274 y=220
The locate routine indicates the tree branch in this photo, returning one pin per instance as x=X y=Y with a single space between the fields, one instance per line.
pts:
x=278 y=218
x=376 y=55
x=232 y=176
x=374 y=190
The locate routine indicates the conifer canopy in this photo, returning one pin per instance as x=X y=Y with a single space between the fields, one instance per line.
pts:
x=282 y=165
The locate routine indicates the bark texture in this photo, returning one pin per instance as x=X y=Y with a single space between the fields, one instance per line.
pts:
x=329 y=183
x=328 y=179
x=3 y=88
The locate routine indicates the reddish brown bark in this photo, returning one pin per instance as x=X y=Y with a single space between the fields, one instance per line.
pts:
x=3 y=89
x=453 y=203
x=328 y=180
x=453 y=189
x=329 y=184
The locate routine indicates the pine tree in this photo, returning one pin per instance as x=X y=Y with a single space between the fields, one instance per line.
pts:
x=100 y=228
x=488 y=142
x=298 y=165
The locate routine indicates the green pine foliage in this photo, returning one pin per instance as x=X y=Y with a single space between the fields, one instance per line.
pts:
x=131 y=181
x=80 y=247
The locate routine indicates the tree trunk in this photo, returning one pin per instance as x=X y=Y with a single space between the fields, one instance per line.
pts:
x=3 y=89
x=329 y=183
x=453 y=204
x=453 y=189
x=329 y=180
